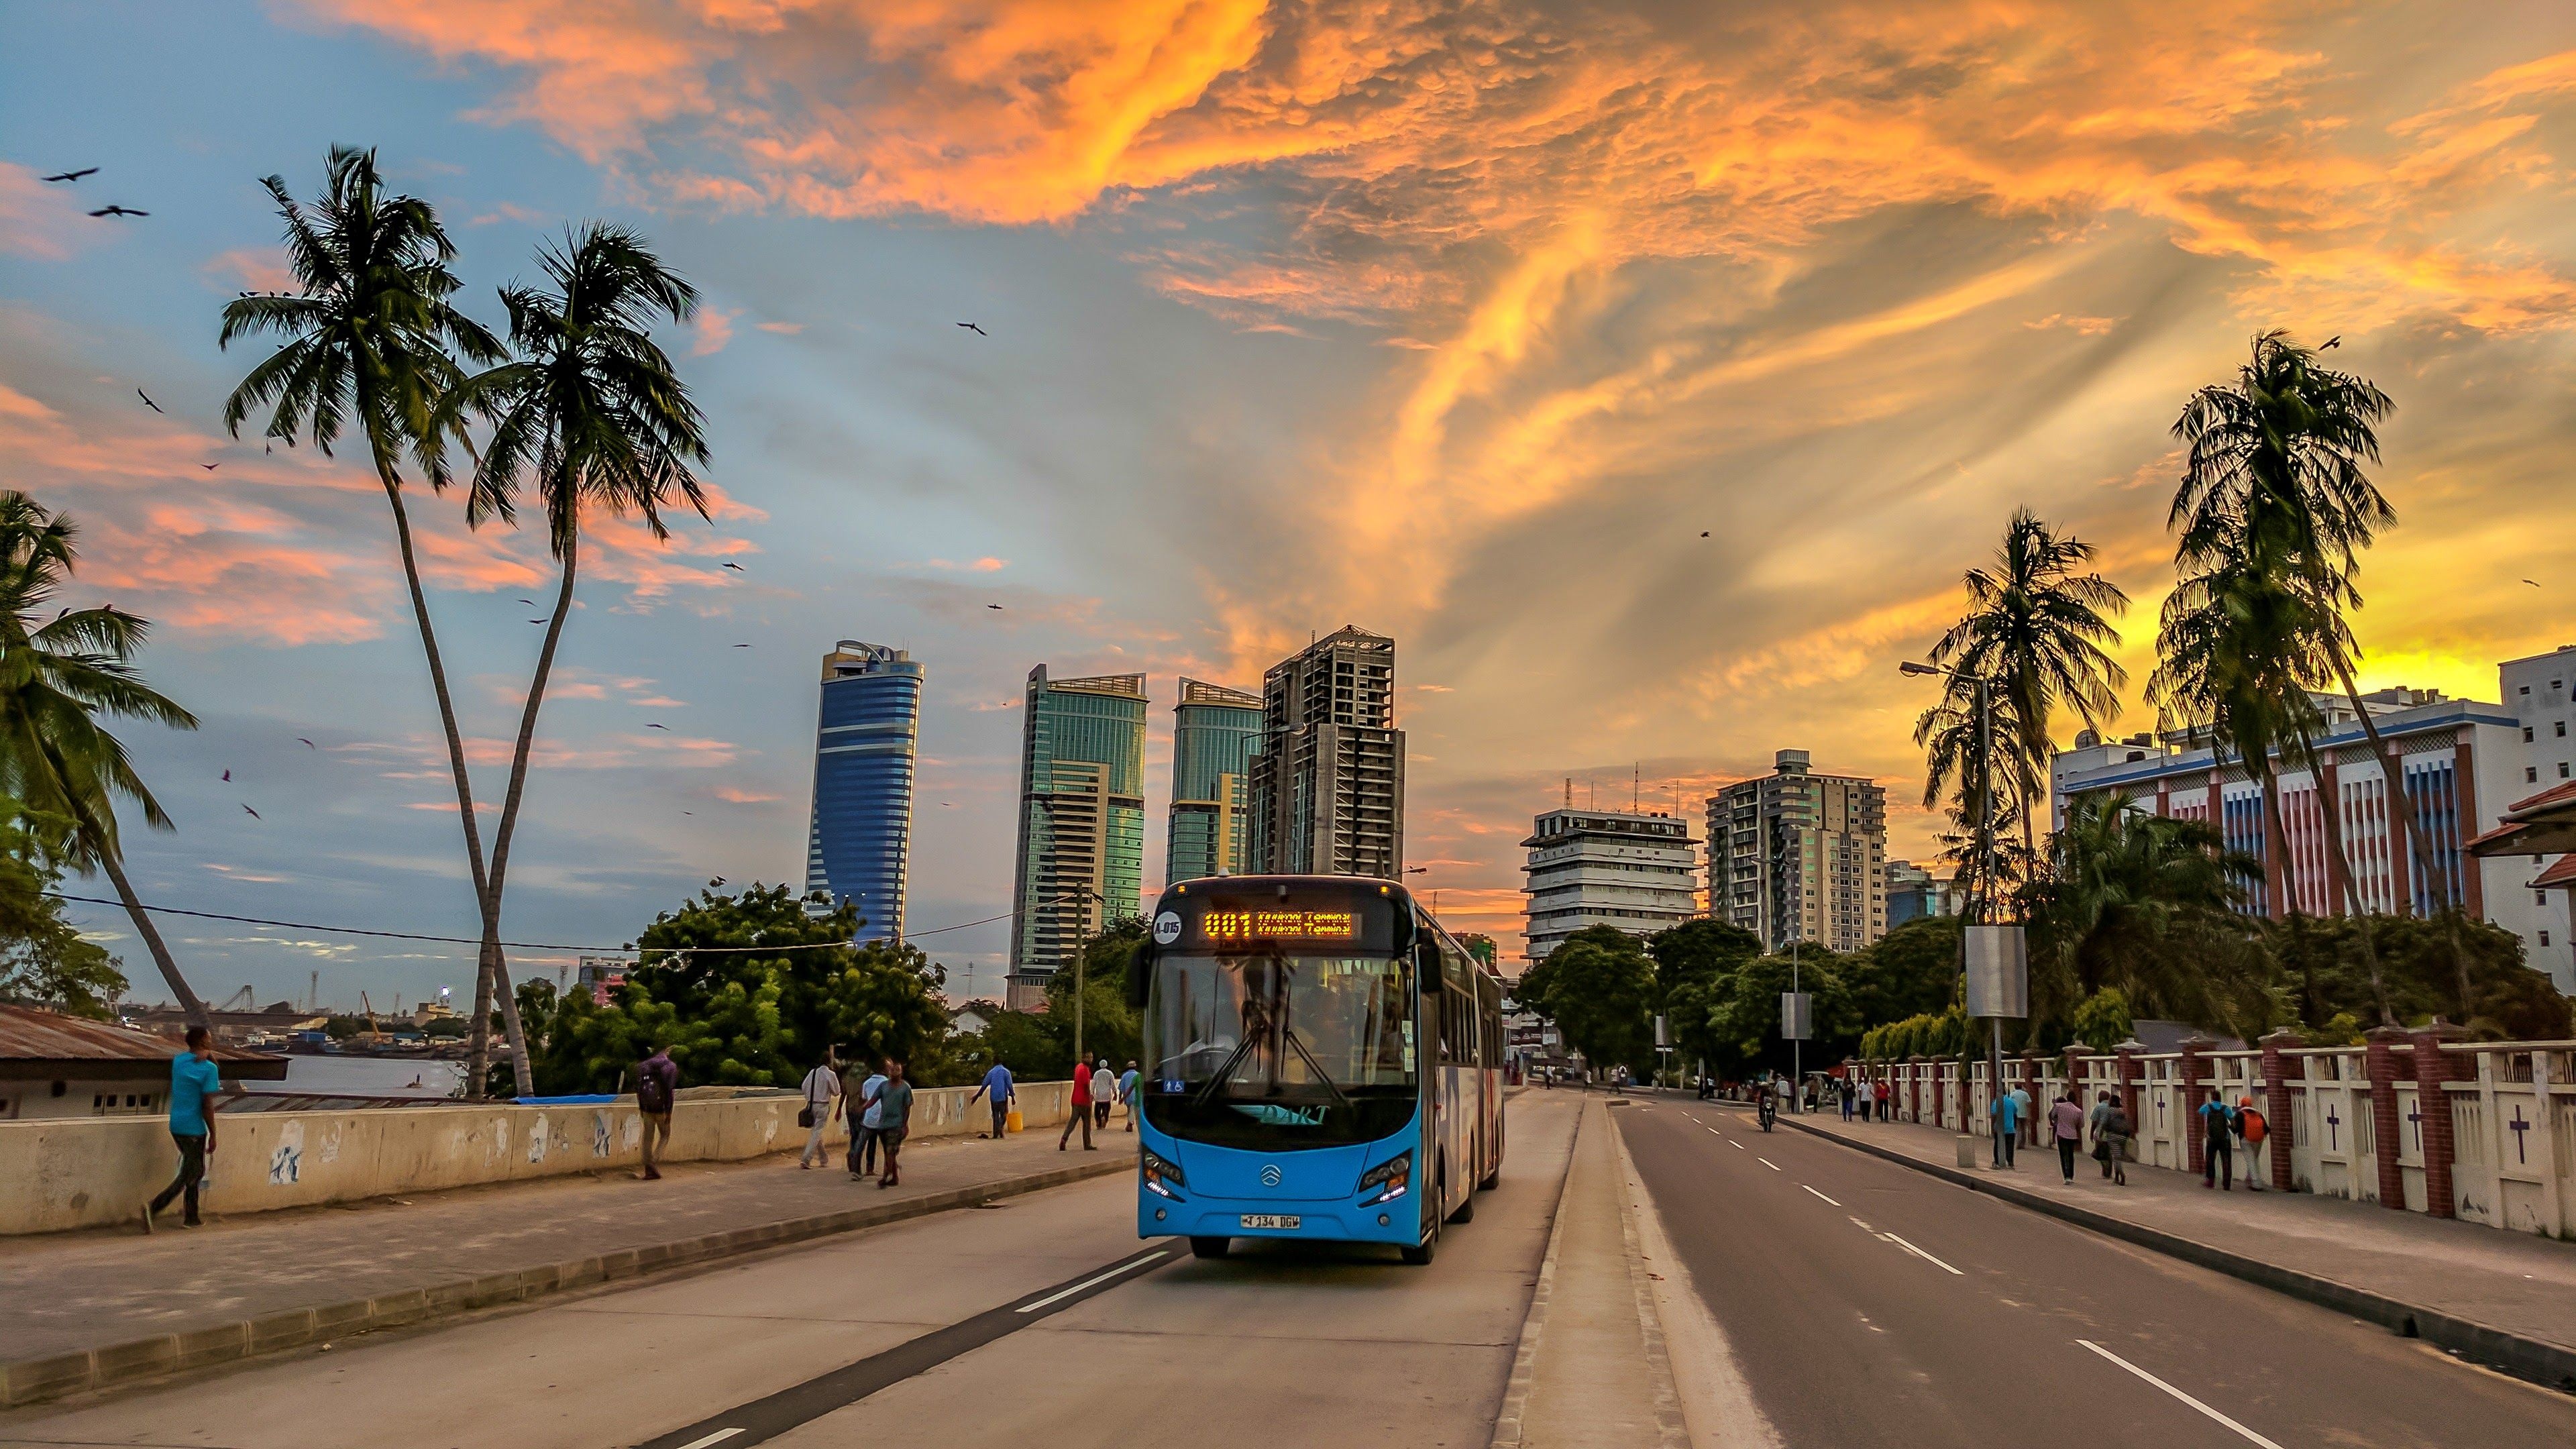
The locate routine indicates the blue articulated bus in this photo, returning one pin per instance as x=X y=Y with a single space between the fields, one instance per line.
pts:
x=1322 y=1062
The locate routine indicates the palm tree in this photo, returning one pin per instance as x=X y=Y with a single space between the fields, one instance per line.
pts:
x=371 y=342
x=55 y=679
x=2126 y=884
x=592 y=414
x=2280 y=460
x=2035 y=630
x=1961 y=763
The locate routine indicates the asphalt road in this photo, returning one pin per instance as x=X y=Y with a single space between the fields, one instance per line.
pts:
x=1041 y=1320
x=1869 y=1304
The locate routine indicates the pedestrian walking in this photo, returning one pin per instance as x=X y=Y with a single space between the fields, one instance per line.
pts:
x=2252 y=1127
x=822 y=1089
x=894 y=1119
x=2217 y=1155
x=657 y=1086
x=2006 y=1111
x=865 y=1115
x=2117 y=1129
x=2023 y=1115
x=997 y=1085
x=2101 y=1119
x=1868 y=1099
x=2066 y=1120
x=1104 y=1093
x=1077 y=1106
x=193 y=1078
x=1127 y=1091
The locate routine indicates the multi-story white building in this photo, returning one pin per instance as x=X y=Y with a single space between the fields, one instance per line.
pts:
x=1606 y=868
x=2541 y=693
x=1797 y=856
x=2463 y=763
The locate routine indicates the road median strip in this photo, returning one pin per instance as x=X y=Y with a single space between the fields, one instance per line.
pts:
x=31 y=1381
x=2520 y=1355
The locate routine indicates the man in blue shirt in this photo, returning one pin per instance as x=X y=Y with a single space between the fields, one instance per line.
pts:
x=1127 y=1092
x=996 y=1085
x=2007 y=1114
x=193 y=1078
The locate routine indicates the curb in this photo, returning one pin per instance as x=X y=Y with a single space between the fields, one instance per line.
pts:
x=2537 y=1360
x=1675 y=1434
x=32 y=1381
x=1516 y=1390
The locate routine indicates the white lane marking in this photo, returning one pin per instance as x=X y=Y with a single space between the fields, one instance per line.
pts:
x=1065 y=1293
x=1819 y=1194
x=2250 y=1435
x=1926 y=1257
x=1713 y=1132
x=1864 y=1227
x=717 y=1437
x=1767 y=1162
x=1738 y=1146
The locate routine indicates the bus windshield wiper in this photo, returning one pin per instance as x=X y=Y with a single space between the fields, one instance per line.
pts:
x=1317 y=1067
x=1208 y=1088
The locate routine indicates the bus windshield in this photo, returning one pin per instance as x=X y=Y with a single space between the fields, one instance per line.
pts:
x=1272 y=1048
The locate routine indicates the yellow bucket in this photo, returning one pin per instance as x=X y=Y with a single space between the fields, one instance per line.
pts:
x=1012 y=1122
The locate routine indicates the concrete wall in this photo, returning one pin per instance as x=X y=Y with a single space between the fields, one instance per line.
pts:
x=86 y=1171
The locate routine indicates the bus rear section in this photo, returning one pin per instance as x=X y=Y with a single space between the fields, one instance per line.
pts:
x=1296 y=1086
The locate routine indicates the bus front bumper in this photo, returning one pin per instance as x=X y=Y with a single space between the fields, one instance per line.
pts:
x=1398 y=1221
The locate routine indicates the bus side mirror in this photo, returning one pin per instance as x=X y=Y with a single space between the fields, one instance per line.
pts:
x=1426 y=968
x=1140 y=976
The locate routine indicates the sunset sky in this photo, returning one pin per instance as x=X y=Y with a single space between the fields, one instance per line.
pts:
x=1461 y=322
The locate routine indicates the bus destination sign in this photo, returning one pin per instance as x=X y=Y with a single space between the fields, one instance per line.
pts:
x=1279 y=925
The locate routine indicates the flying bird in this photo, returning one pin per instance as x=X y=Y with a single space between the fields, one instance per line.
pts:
x=266 y=449
x=971 y=327
x=210 y=467
x=536 y=621
x=1703 y=533
x=737 y=568
x=73 y=175
x=666 y=729
x=996 y=608
x=119 y=211
x=253 y=814
x=2535 y=583
x=308 y=744
x=228 y=777
x=531 y=603
x=147 y=400
x=2329 y=342
x=742 y=646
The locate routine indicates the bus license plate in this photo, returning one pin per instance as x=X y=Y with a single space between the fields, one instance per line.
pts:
x=1256 y=1222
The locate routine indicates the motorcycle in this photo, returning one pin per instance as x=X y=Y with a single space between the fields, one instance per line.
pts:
x=1766 y=1111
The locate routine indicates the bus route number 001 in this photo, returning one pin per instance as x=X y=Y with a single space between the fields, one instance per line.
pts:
x=1280 y=925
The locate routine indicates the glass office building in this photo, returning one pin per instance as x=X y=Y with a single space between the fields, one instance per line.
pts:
x=861 y=837
x=1214 y=731
x=1082 y=821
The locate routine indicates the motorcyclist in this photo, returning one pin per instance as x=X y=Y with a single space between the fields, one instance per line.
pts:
x=1767 y=1104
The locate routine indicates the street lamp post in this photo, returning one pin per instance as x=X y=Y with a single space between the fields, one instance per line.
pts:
x=1981 y=901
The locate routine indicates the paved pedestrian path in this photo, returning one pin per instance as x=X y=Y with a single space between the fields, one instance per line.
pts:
x=2515 y=1282
x=74 y=1292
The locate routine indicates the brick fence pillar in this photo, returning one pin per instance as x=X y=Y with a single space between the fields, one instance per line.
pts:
x=1914 y=1088
x=2031 y=1082
x=2433 y=1068
x=2379 y=1064
x=2195 y=1048
x=2125 y=1055
x=2277 y=1104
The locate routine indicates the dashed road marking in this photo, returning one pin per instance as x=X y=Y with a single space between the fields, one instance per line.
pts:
x=2249 y=1434
x=1935 y=1262
x=1064 y=1293
x=1738 y=1146
x=717 y=1437
x=1819 y=1194
x=1767 y=1162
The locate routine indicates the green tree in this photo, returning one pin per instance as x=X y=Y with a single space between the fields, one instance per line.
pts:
x=1912 y=970
x=1110 y=1027
x=43 y=960
x=2134 y=903
x=1745 y=1022
x=1601 y=994
x=1698 y=950
x=371 y=342
x=749 y=989
x=592 y=416
x=2035 y=631
x=2103 y=1020
x=2507 y=1000
x=56 y=678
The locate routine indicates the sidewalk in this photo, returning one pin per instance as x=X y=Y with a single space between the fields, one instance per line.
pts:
x=2514 y=1283
x=1592 y=1368
x=109 y=1305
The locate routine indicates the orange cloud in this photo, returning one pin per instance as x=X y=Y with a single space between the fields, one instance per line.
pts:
x=253 y=269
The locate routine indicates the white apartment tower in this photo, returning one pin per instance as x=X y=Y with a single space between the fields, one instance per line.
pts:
x=1798 y=856
x=1606 y=868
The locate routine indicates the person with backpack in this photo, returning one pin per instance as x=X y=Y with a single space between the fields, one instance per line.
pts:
x=2100 y=1119
x=2217 y=1156
x=2117 y=1129
x=2251 y=1129
x=657 y=1085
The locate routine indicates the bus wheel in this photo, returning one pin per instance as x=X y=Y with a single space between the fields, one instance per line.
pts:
x=1210 y=1247
x=1466 y=1212
x=1418 y=1256
x=1492 y=1180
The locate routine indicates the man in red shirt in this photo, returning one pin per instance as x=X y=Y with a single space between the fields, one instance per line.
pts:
x=1078 y=1107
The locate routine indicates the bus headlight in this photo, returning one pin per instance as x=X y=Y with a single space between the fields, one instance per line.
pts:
x=1388 y=1180
x=1162 y=1176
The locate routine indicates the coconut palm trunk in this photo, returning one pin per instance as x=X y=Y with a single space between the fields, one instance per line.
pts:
x=2418 y=848
x=168 y=965
x=2339 y=877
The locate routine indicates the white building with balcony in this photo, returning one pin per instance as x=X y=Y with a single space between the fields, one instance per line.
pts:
x=1637 y=872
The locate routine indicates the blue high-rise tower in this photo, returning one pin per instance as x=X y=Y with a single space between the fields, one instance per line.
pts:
x=861 y=836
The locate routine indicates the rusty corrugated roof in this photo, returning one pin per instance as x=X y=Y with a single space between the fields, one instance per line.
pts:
x=29 y=1034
